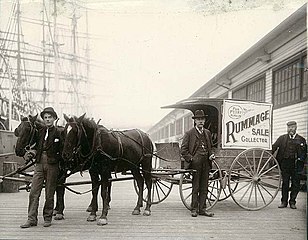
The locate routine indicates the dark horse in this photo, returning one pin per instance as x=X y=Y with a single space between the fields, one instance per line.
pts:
x=110 y=151
x=86 y=164
x=26 y=133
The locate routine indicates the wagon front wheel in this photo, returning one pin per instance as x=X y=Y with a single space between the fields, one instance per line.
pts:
x=256 y=174
x=214 y=187
x=159 y=192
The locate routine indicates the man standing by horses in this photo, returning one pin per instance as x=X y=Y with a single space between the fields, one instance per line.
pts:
x=48 y=154
x=196 y=149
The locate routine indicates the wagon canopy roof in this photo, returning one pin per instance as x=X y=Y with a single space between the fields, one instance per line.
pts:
x=200 y=103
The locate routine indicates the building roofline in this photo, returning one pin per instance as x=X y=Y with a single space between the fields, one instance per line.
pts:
x=288 y=22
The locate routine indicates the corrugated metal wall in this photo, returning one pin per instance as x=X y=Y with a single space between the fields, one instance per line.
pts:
x=297 y=112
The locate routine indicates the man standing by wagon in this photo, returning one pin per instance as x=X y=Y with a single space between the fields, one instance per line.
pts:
x=196 y=150
x=291 y=156
x=48 y=155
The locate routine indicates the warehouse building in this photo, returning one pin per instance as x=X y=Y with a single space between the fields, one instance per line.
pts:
x=274 y=70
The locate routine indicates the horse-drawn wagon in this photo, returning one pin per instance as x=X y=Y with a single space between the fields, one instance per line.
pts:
x=244 y=167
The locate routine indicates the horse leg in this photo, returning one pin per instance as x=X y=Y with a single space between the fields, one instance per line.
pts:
x=148 y=181
x=109 y=193
x=93 y=207
x=58 y=211
x=140 y=185
x=60 y=190
x=104 y=194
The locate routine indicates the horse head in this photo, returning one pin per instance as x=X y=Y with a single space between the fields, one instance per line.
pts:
x=25 y=133
x=78 y=144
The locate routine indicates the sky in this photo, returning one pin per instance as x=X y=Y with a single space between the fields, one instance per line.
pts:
x=155 y=53
x=152 y=53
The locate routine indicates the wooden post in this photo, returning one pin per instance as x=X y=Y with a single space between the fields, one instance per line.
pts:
x=10 y=186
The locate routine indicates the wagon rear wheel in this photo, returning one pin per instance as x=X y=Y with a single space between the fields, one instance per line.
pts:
x=159 y=192
x=257 y=175
x=214 y=187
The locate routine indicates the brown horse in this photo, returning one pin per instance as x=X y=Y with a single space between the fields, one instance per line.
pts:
x=109 y=151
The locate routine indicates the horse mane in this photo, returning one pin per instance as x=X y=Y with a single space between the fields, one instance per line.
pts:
x=90 y=127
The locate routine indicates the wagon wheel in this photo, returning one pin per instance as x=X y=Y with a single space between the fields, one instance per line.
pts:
x=214 y=187
x=226 y=186
x=159 y=192
x=257 y=175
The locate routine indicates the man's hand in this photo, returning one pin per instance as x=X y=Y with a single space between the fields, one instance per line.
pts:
x=30 y=155
x=212 y=157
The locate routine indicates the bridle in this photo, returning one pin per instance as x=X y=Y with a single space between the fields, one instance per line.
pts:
x=33 y=131
x=77 y=154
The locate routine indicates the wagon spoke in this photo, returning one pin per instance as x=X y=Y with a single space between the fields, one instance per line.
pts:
x=188 y=196
x=241 y=188
x=266 y=190
x=158 y=196
x=254 y=161
x=261 y=194
x=242 y=166
x=189 y=187
x=265 y=164
x=246 y=192
x=269 y=185
x=152 y=197
x=165 y=185
x=274 y=177
x=243 y=175
x=259 y=164
x=268 y=170
x=249 y=165
x=161 y=189
x=211 y=194
x=256 y=198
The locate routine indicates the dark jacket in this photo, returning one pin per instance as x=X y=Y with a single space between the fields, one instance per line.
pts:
x=281 y=143
x=53 y=146
x=191 y=143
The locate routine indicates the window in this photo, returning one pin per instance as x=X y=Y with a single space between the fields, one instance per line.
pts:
x=305 y=78
x=254 y=91
x=172 y=129
x=161 y=133
x=179 y=126
x=166 y=130
x=290 y=82
x=188 y=122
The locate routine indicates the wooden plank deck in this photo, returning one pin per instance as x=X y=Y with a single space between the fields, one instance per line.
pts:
x=169 y=219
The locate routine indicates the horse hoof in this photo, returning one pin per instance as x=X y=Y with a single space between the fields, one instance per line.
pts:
x=89 y=209
x=136 y=212
x=91 y=218
x=54 y=212
x=147 y=213
x=102 y=222
x=59 y=216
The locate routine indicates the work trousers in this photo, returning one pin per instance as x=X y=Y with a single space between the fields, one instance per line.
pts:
x=290 y=171
x=48 y=174
x=200 y=181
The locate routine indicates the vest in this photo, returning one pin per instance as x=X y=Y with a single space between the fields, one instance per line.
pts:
x=202 y=148
x=290 y=151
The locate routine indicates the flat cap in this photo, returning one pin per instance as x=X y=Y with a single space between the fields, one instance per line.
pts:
x=291 y=123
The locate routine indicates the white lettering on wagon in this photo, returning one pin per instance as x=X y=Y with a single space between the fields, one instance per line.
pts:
x=246 y=124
